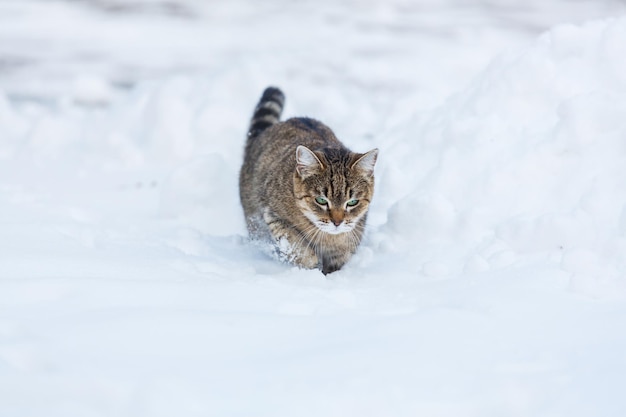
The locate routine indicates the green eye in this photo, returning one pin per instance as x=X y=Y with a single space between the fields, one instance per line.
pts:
x=321 y=201
x=352 y=203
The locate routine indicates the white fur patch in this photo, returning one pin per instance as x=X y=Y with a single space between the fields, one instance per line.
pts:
x=329 y=227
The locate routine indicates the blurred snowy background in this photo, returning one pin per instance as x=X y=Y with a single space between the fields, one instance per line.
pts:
x=492 y=281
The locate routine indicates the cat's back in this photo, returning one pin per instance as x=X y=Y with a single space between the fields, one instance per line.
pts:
x=272 y=152
x=284 y=138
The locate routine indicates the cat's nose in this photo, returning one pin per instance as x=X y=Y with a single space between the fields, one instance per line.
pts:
x=336 y=216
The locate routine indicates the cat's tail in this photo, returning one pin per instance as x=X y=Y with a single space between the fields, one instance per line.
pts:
x=267 y=112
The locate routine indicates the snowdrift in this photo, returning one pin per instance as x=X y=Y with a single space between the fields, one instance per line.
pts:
x=527 y=165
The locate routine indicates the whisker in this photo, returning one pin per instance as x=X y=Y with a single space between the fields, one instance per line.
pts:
x=305 y=236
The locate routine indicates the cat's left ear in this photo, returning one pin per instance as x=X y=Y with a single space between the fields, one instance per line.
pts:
x=366 y=162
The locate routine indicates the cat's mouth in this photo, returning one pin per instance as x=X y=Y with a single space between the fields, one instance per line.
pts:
x=328 y=226
x=333 y=229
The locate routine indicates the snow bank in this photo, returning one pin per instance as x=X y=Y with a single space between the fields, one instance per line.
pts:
x=528 y=163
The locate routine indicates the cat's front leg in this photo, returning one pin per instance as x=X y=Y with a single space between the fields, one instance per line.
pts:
x=302 y=256
x=334 y=262
x=290 y=245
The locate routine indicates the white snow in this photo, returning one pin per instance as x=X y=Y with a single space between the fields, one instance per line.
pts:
x=491 y=282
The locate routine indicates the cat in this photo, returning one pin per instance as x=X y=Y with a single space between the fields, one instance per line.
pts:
x=302 y=190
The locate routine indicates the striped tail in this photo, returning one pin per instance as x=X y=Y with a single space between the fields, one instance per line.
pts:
x=267 y=112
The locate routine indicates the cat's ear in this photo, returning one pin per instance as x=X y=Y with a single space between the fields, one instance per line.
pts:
x=366 y=162
x=307 y=163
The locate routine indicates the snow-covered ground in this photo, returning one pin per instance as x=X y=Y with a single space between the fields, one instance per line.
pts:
x=492 y=281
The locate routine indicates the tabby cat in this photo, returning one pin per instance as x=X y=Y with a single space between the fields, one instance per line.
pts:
x=302 y=190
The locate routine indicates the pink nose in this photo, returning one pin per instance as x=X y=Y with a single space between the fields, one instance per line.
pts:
x=337 y=222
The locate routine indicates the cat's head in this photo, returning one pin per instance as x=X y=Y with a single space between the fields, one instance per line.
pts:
x=334 y=187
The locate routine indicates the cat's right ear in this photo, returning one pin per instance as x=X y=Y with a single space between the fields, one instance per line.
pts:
x=307 y=163
x=367 y=161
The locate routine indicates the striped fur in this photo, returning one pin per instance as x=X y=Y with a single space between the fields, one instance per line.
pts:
x=267 y=112
x=302 y=190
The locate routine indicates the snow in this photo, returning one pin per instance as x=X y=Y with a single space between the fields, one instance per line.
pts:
x=529 y=159
x=491 y=281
